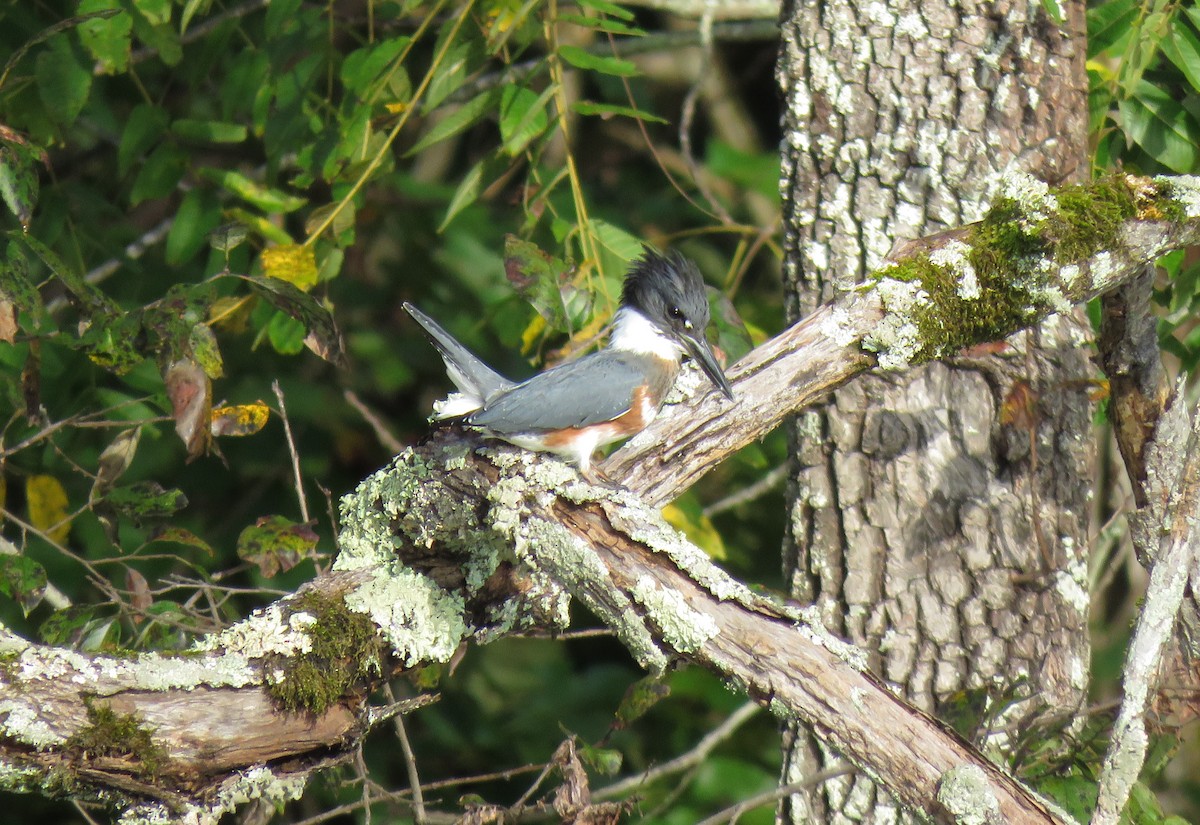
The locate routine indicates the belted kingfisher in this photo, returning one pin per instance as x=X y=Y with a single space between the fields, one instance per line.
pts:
x=578 y=406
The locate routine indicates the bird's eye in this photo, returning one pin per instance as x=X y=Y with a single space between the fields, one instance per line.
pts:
x=676 y=312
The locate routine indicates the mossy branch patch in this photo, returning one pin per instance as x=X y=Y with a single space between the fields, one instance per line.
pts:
x=345 y=651
x=1023 y=261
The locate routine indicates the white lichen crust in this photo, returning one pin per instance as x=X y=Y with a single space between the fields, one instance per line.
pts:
x=896 y=338
x=683 y=627
x=966 y=794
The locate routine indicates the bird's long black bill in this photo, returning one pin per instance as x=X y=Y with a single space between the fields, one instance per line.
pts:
x=699 y=349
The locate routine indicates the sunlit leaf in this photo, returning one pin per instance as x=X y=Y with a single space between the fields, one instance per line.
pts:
x=91 y=298
x=461 y=118
x=47 y=501
x=241 y=419
x=1163 y=128
x=582 y=59
x=292 y=263
x=268 y=199
x=522 y=116
x=545 y=281
x=607 y=110
x=1182 y=48
x=685 y=515
x=1109 y=24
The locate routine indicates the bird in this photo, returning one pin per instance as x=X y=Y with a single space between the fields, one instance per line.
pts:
x=576 y=407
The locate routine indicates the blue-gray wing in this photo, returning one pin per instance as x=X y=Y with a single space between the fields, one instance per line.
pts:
x=596 y=388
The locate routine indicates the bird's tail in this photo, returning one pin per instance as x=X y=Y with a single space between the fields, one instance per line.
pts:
x=476 y=381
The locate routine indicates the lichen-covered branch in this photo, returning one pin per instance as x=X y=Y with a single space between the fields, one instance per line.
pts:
x=1038 y=251
x=452 y=544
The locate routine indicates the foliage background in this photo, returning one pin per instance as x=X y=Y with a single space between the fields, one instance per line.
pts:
x=497 y=163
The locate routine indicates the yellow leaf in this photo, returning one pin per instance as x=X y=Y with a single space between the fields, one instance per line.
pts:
x=292 y=263
x=532 y=332
x=47 y=502
x=396 y=108
x=698 y=528
x=242 y=419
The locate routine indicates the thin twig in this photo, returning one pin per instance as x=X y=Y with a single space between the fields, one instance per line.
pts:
x=410 y=762
x=732 y=813
x=749 y=493
x=382 y=433
x=287 y=432
x=685 y=760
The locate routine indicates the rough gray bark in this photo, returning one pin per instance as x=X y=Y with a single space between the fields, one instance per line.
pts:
x=939 y=518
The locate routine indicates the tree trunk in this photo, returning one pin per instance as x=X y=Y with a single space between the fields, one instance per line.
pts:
x=939 y=517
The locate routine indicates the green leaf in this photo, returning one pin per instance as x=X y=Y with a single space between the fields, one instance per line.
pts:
x=79 y=627
x=1054 y=10
x=159 y=175
x=91 y=298
x=145 y=500
x=622 y=244
x=110 y=341
x=607 y=7
x=151 y=24
x=19 y=177
x=16 y=285
x=209 y=131
x=106 y=39
x=583 y=59
x=286 y=334
x=522 y=116
x=190 y=10
x=545 y=282
x=758 y=171
x=466 y=193
x=465 y=116
x=640 y=697
x=64 y=80
x=270 y=200
x=23 y=580
x=276 y=544
x=1182 y=48
x=453 y=70
x=323 y=337
x=363 y=69
x=607 y=110
x=198 y=213
x=143 y=129
x=1161 y=127
x=1109 y=24
x=602 y=24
